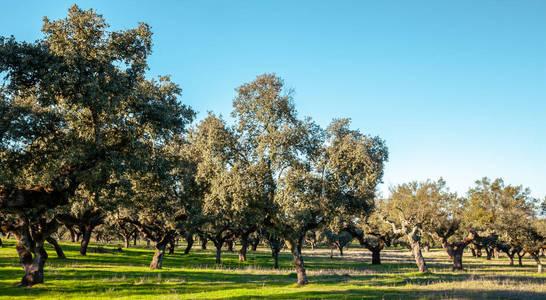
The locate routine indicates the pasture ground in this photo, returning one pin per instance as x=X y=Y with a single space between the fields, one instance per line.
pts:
x=195 y=276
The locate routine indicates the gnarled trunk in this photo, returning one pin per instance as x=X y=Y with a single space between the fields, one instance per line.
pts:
x=489 y=252
x=204 y=240
x=157 y=261
x=418 y=255
x=58 y=249
x=33 y=266
x=340 y=249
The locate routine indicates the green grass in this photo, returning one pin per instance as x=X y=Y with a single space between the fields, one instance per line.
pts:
x=195 y=276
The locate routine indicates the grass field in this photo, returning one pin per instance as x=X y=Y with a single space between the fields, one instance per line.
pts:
x=195 y=276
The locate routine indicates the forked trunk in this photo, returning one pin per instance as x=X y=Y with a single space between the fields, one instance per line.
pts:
x=376 y=256
x=418 y=255
x=33 y=266
x=58 y=249
x=520 y=258
x=189 y=240
x=157 y=261
x=244 y=246
x=171 y=247
x=127 y=242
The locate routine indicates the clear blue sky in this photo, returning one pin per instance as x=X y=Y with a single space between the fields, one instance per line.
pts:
x=456 y=88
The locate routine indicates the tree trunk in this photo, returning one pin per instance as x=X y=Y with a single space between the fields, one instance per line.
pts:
x=496 y=252
x=489 y=252
x=458 y=258
x=419 y=259
x=218 y=252
x=85 y=239
x=539 y=264
x=171 y=247
x=204 y=241
x=72 y=235
x=254 y=244
x=189 y=240
x=275 y=254
x=58 y=249
x=1 y=244
x=135 y=239
x=244 y=246
x=34 y=267
x=295 y=248
x=511 y=257
x=376 y=256
x=127 y=242
x=473 y=252
x=520 y=257
x=230 y=245
x=157 y=261
x=340 y=249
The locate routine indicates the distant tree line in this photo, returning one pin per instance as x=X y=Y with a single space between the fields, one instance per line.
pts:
x=89 y=145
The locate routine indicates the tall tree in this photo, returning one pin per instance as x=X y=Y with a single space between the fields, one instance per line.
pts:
x=73 y=109
x=306 y=180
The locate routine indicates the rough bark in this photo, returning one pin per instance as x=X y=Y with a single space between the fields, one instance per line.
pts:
x=418 y=255
x=58 y=249
x=456 y=250
x=157 y=260
x=244 y=247
x=295 y=248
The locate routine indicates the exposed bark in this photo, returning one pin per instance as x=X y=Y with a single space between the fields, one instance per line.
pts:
x=275 y=244
x=456 y=250
x=295 y=248
x=58 y=249
x=157 y=260
x=419 y=259
x=31 y=235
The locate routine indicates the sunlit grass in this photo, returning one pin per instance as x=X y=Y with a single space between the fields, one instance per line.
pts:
x=195 y=276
